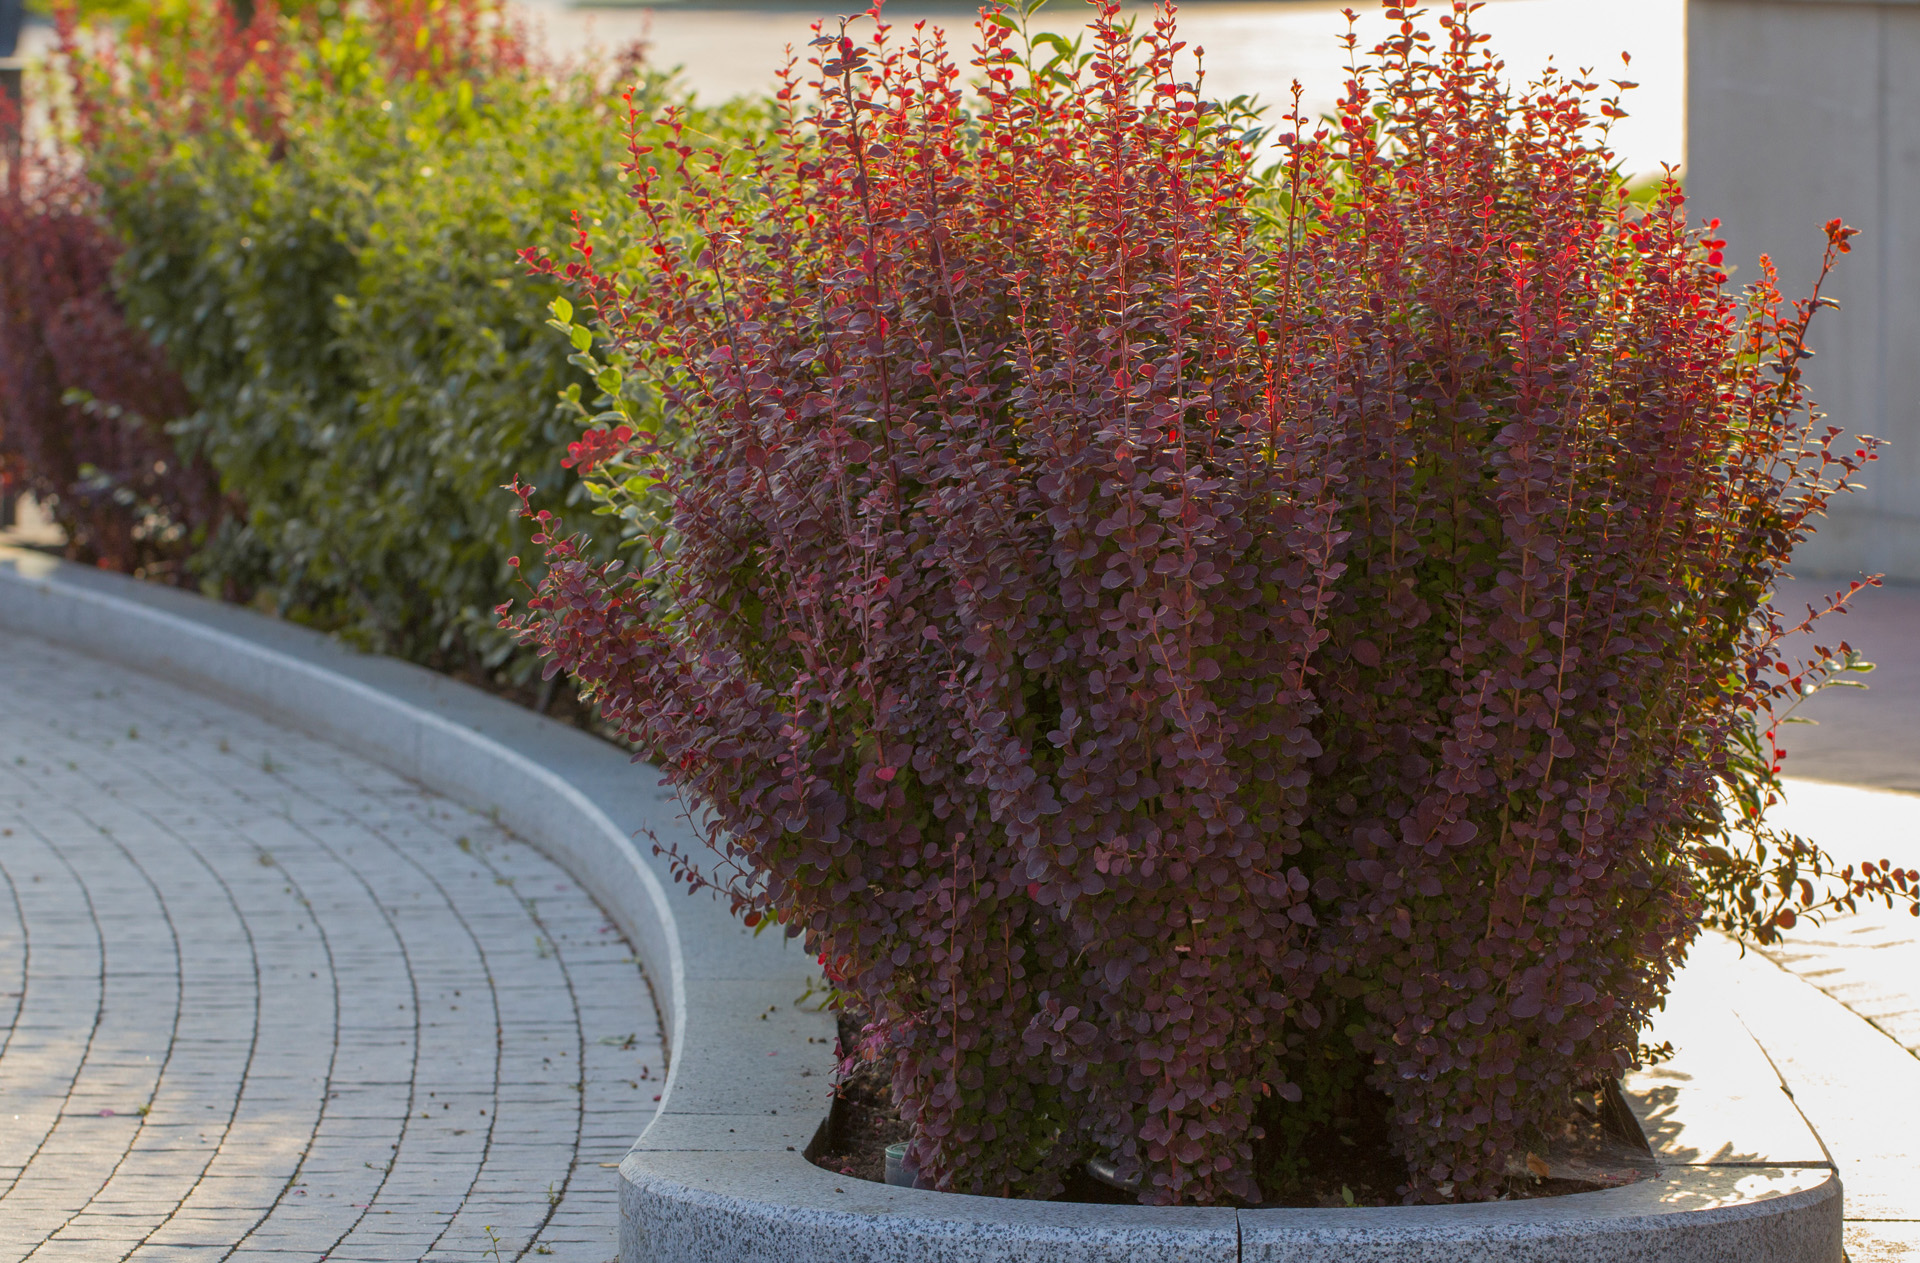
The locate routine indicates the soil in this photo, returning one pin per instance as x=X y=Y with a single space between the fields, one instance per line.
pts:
x=863 y=1121
x=1350 y=1164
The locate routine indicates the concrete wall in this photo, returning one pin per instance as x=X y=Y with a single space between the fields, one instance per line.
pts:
x=1798 y=111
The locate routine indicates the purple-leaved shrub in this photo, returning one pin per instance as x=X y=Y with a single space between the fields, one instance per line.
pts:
x=1160 y=633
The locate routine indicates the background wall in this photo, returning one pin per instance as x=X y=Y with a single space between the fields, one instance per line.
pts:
x=1798 y=111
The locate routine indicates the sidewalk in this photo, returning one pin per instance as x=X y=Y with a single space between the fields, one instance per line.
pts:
x=1867 y=736
x=267 y=1001
x=1840 y=1015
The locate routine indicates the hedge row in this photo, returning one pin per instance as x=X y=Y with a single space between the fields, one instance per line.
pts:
x=316 y=221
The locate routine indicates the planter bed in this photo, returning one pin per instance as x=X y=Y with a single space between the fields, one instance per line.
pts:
x=721 y=1174
x=1601 y=1146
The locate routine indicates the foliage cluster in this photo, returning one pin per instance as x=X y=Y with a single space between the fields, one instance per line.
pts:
x=83 y=389
x=317 y=215
x=312 y=236
x=1179 y=644
x=1571 y=467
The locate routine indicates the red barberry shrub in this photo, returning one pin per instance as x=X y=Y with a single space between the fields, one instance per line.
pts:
x=1178 y=645
x=83 y=395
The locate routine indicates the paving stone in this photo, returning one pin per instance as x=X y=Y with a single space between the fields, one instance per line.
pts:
x=262 y=999
x=1868 y=960
x=1883 y=1241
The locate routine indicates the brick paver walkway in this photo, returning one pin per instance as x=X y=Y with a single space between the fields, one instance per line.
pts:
x=262 y=999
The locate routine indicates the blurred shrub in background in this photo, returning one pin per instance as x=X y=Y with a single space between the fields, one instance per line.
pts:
x=320 y=215
x=82 y=389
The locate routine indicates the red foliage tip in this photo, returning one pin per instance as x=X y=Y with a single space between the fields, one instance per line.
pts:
x=596 y=447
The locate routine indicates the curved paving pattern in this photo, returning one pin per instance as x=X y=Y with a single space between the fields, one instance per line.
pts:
x=261 y=999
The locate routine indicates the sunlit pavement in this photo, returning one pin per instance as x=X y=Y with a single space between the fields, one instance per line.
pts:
x=261 y=999
x=1854 y=1061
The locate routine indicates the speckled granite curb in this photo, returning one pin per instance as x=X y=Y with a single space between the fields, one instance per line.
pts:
x=769 y=1207
x=719 y=1176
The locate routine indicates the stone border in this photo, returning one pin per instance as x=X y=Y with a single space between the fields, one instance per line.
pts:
x=719 y=1175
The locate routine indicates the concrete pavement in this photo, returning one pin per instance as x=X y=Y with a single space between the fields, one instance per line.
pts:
x=261 y=999
x=1867 y=736
x=1840 y=1012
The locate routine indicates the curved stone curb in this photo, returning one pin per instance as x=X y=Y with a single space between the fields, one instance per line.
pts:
x=738 y=1038
x=720 y=1176
x=776 y=1208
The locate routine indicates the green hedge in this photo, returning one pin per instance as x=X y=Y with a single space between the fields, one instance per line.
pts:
x=330 y=261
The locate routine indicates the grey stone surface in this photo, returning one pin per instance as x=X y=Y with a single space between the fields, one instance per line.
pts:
x=757 y=1041
x=1857 y=737
x=1718 y=1100
x=1723 y=1214
x=1868 y=960
x=1861 y=740
x=1797 y=113
x=1831 y=1039
x=1883 y=1241
x=1850 y=1053
x=776 y=1208
x=263 y=998
x=1860 y=1088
